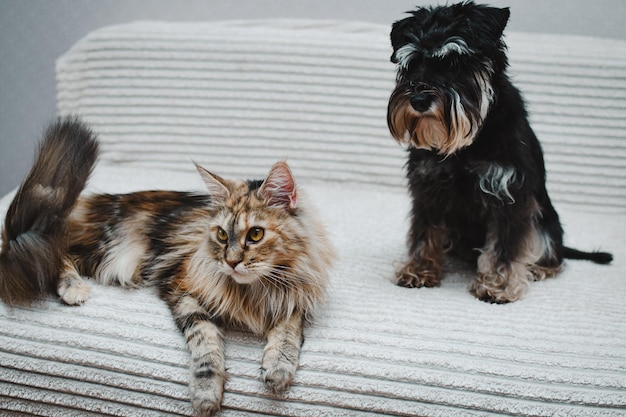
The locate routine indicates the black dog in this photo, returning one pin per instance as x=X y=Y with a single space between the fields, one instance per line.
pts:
x=476 y=171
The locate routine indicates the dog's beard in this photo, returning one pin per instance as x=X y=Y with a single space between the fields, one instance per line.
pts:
x=449 y=124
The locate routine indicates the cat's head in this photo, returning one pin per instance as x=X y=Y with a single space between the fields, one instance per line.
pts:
x=255 y=233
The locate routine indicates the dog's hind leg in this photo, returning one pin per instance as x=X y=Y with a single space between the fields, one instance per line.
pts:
x=545 y=247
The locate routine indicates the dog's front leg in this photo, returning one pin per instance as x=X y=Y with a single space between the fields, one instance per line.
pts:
x=427 y=247
x=503 y=274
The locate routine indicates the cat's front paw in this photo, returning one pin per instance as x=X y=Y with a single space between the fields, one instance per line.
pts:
x=207 y=390
x=278 y=377
x=281 y=354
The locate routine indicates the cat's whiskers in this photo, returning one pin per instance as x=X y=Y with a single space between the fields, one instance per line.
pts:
x=284 y=278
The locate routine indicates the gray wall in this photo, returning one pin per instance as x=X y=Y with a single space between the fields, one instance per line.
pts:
x=33 y=33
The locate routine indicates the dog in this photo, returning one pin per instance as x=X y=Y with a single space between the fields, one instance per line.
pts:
x=475 y=168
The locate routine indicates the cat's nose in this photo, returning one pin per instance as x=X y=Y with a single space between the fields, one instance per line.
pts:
x=233 y=263
x=234 y=256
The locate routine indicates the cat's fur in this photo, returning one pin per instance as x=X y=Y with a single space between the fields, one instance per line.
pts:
x=249 y=254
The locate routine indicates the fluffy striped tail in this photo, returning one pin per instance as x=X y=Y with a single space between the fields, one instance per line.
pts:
x=34 y=233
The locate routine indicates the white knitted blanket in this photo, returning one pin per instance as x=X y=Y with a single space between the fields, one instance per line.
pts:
x=236 y=97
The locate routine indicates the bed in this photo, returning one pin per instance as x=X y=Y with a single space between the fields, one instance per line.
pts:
x=236 y=96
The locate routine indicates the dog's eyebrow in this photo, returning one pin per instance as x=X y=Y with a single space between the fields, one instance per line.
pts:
x=405 y=53
x=452 y=44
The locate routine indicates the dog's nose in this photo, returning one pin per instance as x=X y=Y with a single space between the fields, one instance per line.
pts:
x=421 y=102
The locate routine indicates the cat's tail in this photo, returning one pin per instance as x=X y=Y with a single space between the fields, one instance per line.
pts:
x=595 y=256
x=34 y=235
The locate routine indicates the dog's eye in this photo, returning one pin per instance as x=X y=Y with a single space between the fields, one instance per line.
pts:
x=445 y=63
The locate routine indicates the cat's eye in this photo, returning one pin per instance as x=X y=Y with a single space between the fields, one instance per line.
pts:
x=255 y=234
x=222 y=236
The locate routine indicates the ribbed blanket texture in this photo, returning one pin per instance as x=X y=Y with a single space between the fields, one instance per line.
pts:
x=238 y=96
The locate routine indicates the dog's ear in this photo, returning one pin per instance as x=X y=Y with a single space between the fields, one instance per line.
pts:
x=407 y=30
x=492 y=20
x=500 y=18
x=399 y=35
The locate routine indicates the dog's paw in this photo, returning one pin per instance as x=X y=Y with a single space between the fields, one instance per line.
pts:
x=73 y=291
x=539 y=273
x=497 y=289
x=413 y=275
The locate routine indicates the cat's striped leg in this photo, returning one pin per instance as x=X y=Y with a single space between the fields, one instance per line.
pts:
x=71 y=287
x=204 y=339
x=281 y=354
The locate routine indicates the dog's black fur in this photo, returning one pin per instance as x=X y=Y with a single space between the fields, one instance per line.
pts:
x=476 y=171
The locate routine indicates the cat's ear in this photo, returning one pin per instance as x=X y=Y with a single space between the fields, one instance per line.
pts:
x=279 y=187
x=216 y=185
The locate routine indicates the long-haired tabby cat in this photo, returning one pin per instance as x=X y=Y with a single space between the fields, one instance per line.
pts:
x=249 y=254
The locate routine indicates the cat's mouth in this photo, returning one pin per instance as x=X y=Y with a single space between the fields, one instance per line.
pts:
x=243 y=277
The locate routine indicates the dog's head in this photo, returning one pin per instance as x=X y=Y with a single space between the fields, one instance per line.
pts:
x=446 y=59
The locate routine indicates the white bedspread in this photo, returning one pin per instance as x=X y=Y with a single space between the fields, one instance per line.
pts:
x=237 y=96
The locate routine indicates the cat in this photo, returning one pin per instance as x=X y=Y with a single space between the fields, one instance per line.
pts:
x=249 y=255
